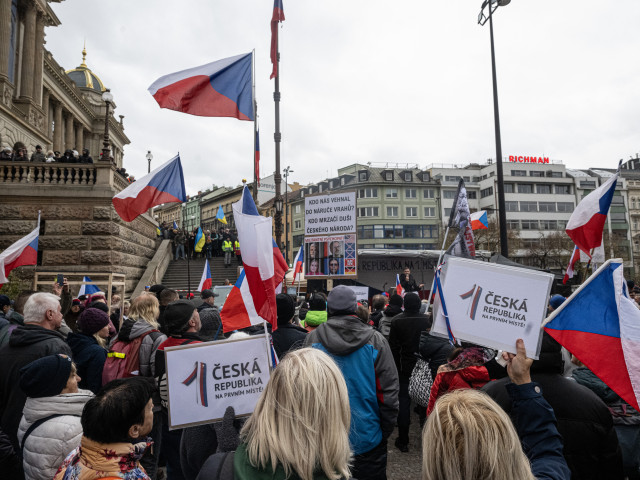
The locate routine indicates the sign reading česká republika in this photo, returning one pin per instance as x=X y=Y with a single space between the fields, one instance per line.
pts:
x=493 y=305
x=205 y=378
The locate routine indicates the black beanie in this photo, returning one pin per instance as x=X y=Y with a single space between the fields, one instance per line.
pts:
x=286 y=308
x=45 y=377
x=395 y=300
x=412 y=302
x=176 y=316
x=92 y=320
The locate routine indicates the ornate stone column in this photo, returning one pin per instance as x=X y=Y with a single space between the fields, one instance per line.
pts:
x=39 y=56
x=57 y=128
x=28 y=51
x=5 y=36
x=69 y=140
x=79 y=138
x=46 y=109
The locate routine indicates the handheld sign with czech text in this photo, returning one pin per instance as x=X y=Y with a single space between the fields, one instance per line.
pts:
x=492 y=305
x=204 y=379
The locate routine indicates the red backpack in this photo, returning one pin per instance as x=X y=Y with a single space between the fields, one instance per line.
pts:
x=123 y=359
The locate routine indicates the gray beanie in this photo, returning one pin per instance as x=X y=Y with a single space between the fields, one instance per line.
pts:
x=342 y=300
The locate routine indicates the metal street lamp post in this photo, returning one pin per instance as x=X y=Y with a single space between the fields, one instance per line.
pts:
x=149 y=158
x=277 y=203
x=502 y=214
x=107 y=98
x=287 y=171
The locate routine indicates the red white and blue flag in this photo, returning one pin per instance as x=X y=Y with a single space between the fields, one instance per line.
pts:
x=253 y=298
x=479 y=220
x=219 y=89
x=87 y=288
x=399 y=289
x=22 y=252
x=298 y=263
x=600 y=325
x=277 y=17
x=587 y=220
x=205 y=281
x=571 y=268
x=165 y=184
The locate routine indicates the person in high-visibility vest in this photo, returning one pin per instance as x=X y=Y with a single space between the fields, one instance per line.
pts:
x=236 y=247
x=227 y=248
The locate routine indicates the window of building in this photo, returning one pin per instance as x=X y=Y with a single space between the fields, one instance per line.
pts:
x=451 y=178
x=368 y=212
x=546 y=207
x=411 y=193
x=472 y=195
x=618 y=217
x=297 y=224
x=565 y=207
x=362 y=176
x=448 y=194
x=407 y=176
x=528 y=206
x=511 y=206
x=388 y=176
x=486 y=192
x=392 y=211
x=543 y=189
x=429 y=211
x=428 y=193
x=563 y=189
x=297 y=208
x=518 y=173
x=617 y=200
x=425 y=176
x=368 y=193
x=536 y=173
x=525 y=188
x=411 y=211
x=342 y=180
x=447 y=212
x=513 y=224
x=548 y=225
x=508 y=188
x=588 y=184
x=530 y=225
x=562 y=225
x=556 y=174
x=391 y=193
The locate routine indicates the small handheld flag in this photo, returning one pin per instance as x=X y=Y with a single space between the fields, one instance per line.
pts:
x=298 y=263
x=399 y=289
x=175 y=225
x=205 y=281
x=479 y=220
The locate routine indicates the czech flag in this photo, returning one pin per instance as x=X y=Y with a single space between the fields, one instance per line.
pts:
x=22 y=252
x=298 y=263
x=220 y=215
x=199 y=242
x=165 y=184
x=479 y=220
x=399 y=289
x=264 y=268
x=571 y=268
x=600 y=325
x=87 y=288
x=587 y=220
x=277 y=17
x=219 y=89
x=205 y=281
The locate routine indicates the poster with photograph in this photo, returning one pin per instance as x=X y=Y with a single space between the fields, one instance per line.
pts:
x=331 y=256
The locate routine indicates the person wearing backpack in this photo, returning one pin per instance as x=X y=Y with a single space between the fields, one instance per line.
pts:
x=133 y=353
x=50 y=426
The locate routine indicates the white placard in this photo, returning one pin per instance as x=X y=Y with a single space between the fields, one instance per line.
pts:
x=332 y=214
x=362 y=293
x=493 y=305
x=206 y=378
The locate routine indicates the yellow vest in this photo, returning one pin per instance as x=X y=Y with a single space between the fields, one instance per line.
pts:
x=226 y=246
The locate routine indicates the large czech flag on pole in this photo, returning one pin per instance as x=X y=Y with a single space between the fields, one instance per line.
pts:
x=165 y=184
x=600 y=325
x=219 y=89
x=276 y=18
x=205 y=281
x=22 y=252
x=264 y=269
x=587 y=220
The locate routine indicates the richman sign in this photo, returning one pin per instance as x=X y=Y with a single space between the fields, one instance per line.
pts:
x=523 y=159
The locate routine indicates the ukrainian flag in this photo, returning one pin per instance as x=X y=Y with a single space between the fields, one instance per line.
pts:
x=158 y=232
x=199 y=240
x=220 y=215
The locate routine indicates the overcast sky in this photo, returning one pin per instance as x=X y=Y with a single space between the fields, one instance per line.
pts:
x=370 y=81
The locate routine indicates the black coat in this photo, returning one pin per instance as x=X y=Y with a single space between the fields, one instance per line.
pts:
x=404 y=340
x=287 y=337
x=435 y=350
x=409 y=285
x=584 y=421
x=89 y=357
x=26 y=344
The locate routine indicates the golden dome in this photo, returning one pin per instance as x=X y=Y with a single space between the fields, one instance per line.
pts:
x=84 y=77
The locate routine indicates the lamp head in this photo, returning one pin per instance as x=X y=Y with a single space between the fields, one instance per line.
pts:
x=107 y=96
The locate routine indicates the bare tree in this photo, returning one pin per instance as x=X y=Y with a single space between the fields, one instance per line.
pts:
x=551 y=251
x=486 y=239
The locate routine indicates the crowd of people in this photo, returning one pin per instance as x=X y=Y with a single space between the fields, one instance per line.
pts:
x=83 y=395
x=217 y=243
x=19 y=153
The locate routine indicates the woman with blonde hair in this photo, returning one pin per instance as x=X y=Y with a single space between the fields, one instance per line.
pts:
x=468 y=436
x=299 y=428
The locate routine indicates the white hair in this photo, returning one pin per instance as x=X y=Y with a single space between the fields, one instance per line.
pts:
x=37 y=305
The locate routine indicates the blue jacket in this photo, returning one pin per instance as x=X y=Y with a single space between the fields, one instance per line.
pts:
x=364 y=357
x=535 y=422
x=89 y=357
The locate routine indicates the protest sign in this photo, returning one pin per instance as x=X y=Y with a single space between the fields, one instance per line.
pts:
x=205 y=378
x=331 y=256
x=330 y=214
x=362 y=293
x=493 y=305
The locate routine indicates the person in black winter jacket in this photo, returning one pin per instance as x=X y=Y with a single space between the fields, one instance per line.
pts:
x=10 y=463
x=404 y=337
x=590 y=442
x=378 y=304
x=394 y=308
x=287 y=336
x=434 y=350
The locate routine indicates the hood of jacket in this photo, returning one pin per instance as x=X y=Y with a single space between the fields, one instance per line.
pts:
x=392 y=310
x=65 y=404
x=79 y=341
x=131 y=329
x=31 y=333
x=343 y=334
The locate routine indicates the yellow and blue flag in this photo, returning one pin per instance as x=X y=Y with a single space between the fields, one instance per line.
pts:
x=220 y=215
x=199 y=240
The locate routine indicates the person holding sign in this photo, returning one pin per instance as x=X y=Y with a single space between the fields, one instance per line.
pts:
x=306 y=402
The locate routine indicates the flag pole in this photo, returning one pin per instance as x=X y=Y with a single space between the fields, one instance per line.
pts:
x=255 y=126
x=277 y=136
x=433 y=281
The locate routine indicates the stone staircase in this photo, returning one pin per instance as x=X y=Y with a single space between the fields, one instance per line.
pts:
x=176 y=276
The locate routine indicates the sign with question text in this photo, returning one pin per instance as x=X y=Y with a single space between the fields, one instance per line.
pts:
x=492 y=305
x=331 y=214
x=204 y=379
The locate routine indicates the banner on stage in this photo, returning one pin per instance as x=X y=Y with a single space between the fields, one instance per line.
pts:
x=493 y=305
x=204 y=379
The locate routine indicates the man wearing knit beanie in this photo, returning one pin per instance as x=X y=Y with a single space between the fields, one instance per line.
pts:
x=364 y=357
x=288 y=336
